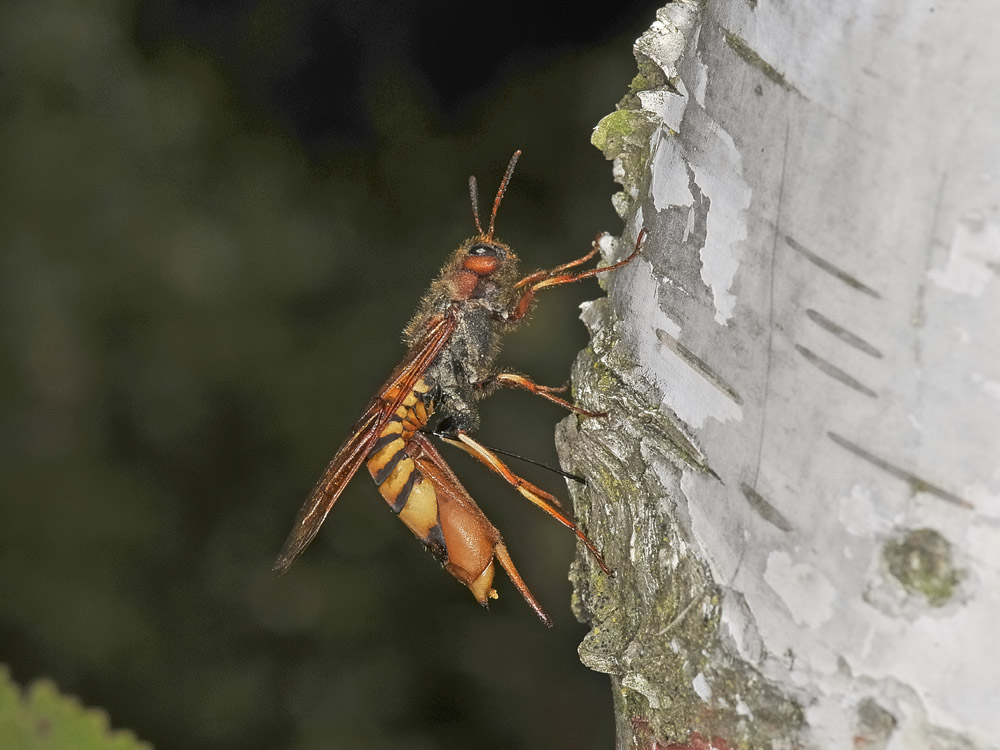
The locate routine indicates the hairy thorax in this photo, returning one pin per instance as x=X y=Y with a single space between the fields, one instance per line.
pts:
x=481 y=307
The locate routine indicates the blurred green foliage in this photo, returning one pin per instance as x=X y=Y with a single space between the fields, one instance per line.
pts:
x=192 y=314
x=42 y=719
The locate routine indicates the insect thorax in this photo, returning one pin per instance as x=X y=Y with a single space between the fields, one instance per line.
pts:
x=468 y=359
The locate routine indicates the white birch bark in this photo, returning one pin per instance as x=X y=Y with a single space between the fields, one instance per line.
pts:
x=799 y=480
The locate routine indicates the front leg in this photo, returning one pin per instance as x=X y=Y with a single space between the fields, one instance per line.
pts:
x=555 y=277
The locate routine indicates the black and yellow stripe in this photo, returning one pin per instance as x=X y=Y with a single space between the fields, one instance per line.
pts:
x=399 y=480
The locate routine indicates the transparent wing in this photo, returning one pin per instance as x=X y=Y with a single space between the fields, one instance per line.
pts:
x=352 y=453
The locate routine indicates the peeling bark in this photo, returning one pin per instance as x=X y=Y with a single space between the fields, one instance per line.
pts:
x=798 y=481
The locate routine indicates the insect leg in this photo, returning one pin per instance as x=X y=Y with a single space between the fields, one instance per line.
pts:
x=536 y=495
x=513 y=380
x=487 y=457
x=565 y=266
x=508 y=565
x=544 y=279
x=471 y=539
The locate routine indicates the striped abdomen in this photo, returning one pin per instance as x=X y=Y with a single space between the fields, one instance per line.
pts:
x=397 y=476
x=420 y=488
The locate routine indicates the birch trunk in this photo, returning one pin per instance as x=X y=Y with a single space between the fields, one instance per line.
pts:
x=798 y=483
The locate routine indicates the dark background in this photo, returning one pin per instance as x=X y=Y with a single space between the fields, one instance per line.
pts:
x=215 y=219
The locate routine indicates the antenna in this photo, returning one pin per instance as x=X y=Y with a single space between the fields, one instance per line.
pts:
x=502 y=190
x=474 y=196
x=449 y=437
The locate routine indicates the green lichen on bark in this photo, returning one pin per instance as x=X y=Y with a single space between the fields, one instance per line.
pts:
x=655 y=626
x=649 y=77
x=625 y=135
x=922 y=561
x=621 y=131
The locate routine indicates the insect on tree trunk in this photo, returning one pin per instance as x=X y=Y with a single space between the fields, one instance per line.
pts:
x=799 y=480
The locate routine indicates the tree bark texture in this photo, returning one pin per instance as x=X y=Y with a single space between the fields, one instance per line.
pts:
x=798 y=482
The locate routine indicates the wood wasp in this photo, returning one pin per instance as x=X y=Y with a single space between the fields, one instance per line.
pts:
x=450 y=364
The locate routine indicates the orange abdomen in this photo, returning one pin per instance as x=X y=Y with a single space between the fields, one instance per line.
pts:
x=419 y=487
